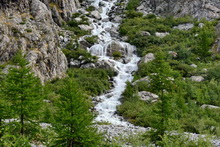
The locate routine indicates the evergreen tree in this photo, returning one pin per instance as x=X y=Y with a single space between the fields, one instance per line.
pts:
x=24 y=93
x=73 y=119
x=161 y=84
x=204 y=44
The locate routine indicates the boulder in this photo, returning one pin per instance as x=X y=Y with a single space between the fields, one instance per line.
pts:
x=145 y=33
x=186 y=26
x=210 y=106
x=88 y=65
x=117 y=19
x=74 y=63
x=116 y=46
x=83 y=11
x=78 y=19
x=145 y=79
x=161 y=34
x=193 y=65
x=148 y=96
x=96 y=14
x=85 y=27
x=172 y=53
x=147 y=58
x=197 y=78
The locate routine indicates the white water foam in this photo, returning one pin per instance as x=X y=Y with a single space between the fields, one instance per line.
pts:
x=107 y=108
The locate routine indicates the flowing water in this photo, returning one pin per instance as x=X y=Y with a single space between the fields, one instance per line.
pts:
x=107 y=107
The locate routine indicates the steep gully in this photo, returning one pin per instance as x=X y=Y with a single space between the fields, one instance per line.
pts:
x=106 y=108
x=108 y=102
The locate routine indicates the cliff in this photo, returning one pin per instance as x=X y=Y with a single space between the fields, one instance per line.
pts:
x=209 y=9
x=32 y=26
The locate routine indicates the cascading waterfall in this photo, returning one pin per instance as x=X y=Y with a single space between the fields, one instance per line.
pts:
x=107 y=107
x=109 y=102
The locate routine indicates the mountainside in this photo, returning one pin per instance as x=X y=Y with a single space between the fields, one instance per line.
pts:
x=32 y=26
x=111 y=73
x=208 y=9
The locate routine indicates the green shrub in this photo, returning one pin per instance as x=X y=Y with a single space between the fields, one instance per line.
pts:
x=90 y=8
x=133 y=14
x=28 y=30
x=116 y=54
x=91 y=39
x=132 y=4
x=75 y=54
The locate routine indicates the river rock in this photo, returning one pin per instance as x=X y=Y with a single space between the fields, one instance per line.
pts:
x=115 y=46
x=85 y=27
x=96 y=14
x=148 y=96
x=197 y=78
x=117 y=19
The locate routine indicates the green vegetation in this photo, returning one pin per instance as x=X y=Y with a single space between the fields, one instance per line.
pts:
x=21 y=94
x=92 y=39
x=73 y=120
x=180 y=98
x=79 y=54
x=116 y=54
x=73 y=26
x=132 y=4
x=66 y=107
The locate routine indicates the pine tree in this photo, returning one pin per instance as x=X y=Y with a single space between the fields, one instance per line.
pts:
x=204 y=44
x=161 y=84
x=73 y=119
x=23 y=91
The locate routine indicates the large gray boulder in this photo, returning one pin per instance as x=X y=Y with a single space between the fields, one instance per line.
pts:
x=186 y=26
x=125 y=49
x=147 y=58
x=197 y=78
x=148 y=96
x=96 y=14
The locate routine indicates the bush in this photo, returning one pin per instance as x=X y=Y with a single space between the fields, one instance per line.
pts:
x=75 y=54
x=91 y=39
x=133 y=14
x=132 y=4
x=116 y=54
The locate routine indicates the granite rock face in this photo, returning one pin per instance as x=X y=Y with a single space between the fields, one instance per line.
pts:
x=208 y=9
x=32 y=26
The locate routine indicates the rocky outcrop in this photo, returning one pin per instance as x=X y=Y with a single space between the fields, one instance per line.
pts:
x=147 y=58
x=208 y=9
x=148 y=96
x=31 y=26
